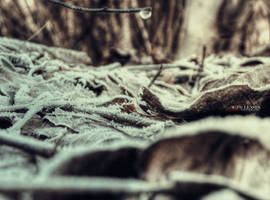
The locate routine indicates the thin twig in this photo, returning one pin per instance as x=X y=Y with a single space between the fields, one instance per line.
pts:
x=201 y=66
x=27 y=144
x=27 y=116
x=99 y=10
x=203 y=58
x=183 y=65
x=156 y=76
x=101 y=123
x=111 y=115
x=122 y=118
x=37 y=32
x=149 y=67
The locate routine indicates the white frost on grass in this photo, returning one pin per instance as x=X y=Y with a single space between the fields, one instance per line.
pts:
x=92 y=115
x=93 y=136
x=14 y=164
x=4 y=100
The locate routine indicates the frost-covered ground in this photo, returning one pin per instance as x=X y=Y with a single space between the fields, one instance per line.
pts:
x=69 y=130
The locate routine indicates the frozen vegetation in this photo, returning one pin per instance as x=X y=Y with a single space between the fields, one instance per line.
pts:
x=69 y=130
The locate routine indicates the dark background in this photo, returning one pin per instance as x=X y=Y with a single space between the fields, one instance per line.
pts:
x=98 y=34
x=95 y=33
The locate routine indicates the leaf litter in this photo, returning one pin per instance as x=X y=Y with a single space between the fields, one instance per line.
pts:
x=69 y=128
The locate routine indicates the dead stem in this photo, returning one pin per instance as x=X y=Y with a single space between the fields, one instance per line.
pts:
x=156 y=76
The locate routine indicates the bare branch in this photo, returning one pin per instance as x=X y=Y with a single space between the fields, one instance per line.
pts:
x=26 y=144
x=99 y=10
x=69 y=185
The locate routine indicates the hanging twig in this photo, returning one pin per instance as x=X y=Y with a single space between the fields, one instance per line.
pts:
x=99 y=10
x=37 y=32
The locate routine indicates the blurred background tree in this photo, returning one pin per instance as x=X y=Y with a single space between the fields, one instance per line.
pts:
x=177 y=28
x=96 y=34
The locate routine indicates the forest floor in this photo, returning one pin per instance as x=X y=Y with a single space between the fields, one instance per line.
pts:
x=69 y=130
